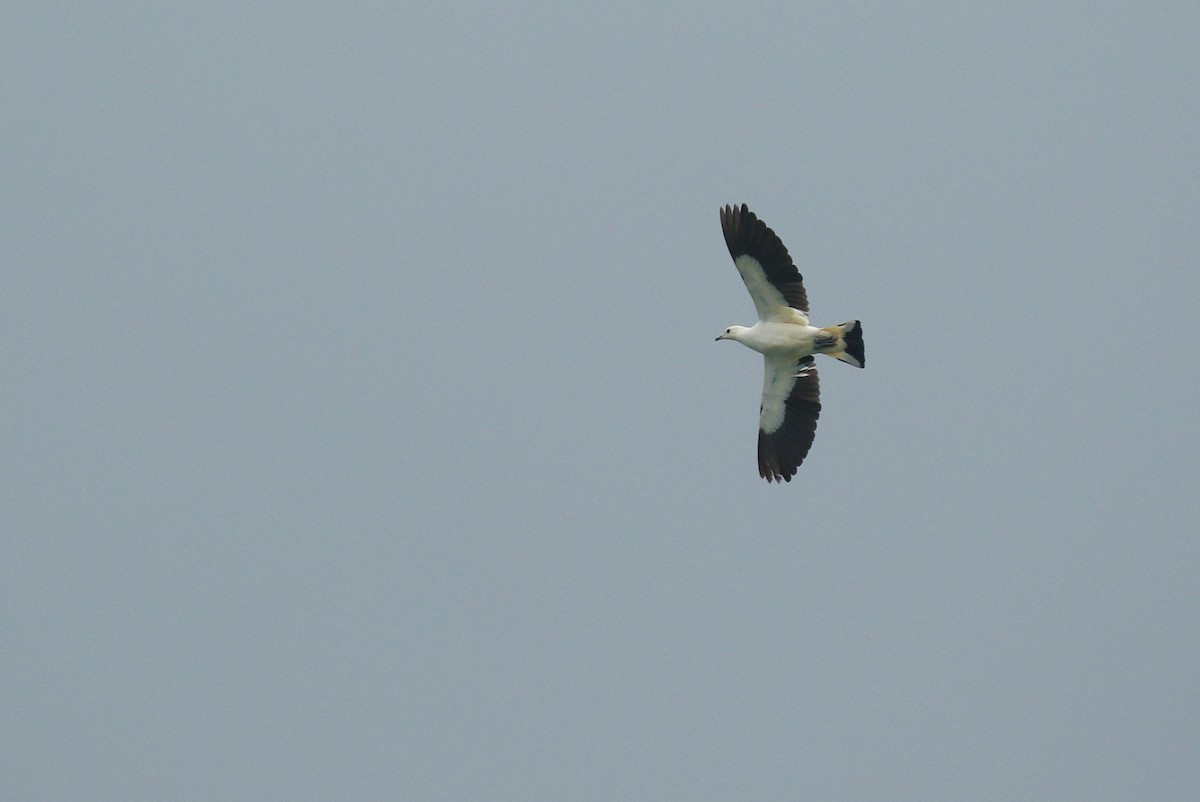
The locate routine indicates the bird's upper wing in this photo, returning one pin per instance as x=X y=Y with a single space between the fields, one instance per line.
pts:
x=772 y=279
x=787 y=421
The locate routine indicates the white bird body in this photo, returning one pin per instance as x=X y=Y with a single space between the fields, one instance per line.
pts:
x=791 y=404
x=771 y=338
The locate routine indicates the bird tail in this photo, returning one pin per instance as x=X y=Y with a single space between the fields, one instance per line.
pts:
x=849 y=347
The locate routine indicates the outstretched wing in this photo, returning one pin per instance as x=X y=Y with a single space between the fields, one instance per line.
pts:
x=772 y=279
x=787 y=421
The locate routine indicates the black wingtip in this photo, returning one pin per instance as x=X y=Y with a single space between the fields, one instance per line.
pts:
x=781 y=452
x=740 y=225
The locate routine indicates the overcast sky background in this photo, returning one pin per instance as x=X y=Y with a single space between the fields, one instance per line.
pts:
x=364 y=436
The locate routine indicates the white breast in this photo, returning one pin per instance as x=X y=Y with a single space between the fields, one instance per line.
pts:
x=786 y=340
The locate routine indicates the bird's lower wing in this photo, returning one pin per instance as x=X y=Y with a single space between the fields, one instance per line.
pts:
x=787 y=420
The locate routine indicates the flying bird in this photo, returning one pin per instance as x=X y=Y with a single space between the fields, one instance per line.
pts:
x=791 y=402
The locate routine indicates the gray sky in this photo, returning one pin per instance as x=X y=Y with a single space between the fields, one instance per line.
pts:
x=364 y=435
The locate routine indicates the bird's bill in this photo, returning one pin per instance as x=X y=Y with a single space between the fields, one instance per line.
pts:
x=722 y=337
